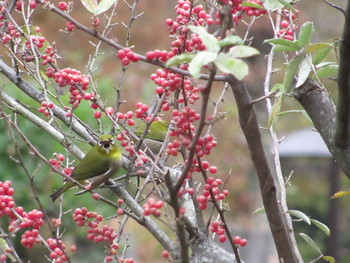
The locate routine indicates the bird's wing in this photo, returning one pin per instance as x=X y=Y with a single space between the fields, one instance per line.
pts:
x=85 y=169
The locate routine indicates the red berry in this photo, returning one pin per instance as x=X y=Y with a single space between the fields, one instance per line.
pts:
x=222 y=238
x=62 y=6
x=284 y=23
x=237 y=240
x=213 y=169
x=97 y=115
x=243 y=242
x=165 y=254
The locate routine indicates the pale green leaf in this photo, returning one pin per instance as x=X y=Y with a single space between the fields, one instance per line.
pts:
x=329 y=259
x=283 y=42
x=273 y=5
x=280 y=48
x=328 y=71
x=316 y=47
x=254 y=5
x=287 y=5
x=260 y=210
x=277 y=86
x=230 y=40
x=180 y=59
x=310 y=242
x=305 y=33
x=90 y=5
x=236 y=67
x=340 y=194
x=241 y=51
x=324 y=64
x=201 y=59
x=302 y=112
x=103 y=6
x=290 y=72
x=320 y=55
x=321 y=226
x=300 y=215
x=274 y=111
x=304 y=70
x=209 y=41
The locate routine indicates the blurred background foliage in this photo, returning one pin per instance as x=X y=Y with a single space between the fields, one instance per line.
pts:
x=310 y=184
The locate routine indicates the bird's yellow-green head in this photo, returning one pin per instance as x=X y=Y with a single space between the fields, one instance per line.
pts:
x=106 y=145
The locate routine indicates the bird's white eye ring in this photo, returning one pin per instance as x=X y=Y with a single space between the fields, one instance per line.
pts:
x=99 y=143
x=111 y=141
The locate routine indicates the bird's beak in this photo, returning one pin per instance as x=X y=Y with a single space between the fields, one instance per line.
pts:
x=106 y=146
x=107 y=150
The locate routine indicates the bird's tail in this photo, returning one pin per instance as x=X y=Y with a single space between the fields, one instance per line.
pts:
x=57 y=193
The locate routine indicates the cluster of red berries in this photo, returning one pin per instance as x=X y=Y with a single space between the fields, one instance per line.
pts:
x=96 y=234
x=152 y=207
x=178 y=27
x=9 y=33
x=57 y=162
x=6 y=200
x=30 y=238
x=70 y=26
x=45 y=108
x=20 y=219
x=126 y=55
x=219 y=229
x=57 y=248
x=240 y=241
x=211 y=186
x=287 y=25
x=237 y=9
x=161 y=55
x=19 y=3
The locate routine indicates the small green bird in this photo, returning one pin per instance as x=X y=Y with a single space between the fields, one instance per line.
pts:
x=98 y=165
x=155 y=136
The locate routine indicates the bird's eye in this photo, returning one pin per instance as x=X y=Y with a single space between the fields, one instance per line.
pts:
x=111 y=141
x=99 y=143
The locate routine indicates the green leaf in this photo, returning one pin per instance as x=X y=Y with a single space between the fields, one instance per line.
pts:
x=236 y=67
x=340 y=194
x=305 y=34
x=300 y=215
x=260 y=210
x=254 y=5
x=201 y=59
x=302 y=112
x=310 y=242
x=290 y=73
x=90 y=5
x=320 y=55
x=304 y=70
x=329 y=259
x=321 y=226
x=328 y=71
x=209 y=41
x=283 y=42
x=103 y=6
x=315 y=47
x=241 y=51
x=281 y=48
x=230 y=40
x=274 y=111
x=277 y=86
x=288 y=5
x=273 y=5
x=180 y=59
